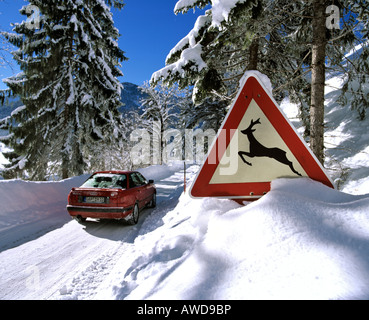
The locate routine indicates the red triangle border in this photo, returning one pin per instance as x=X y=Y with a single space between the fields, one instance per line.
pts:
x=254 y=89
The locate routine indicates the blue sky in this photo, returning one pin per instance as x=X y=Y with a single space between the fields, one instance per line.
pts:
x=149 y=30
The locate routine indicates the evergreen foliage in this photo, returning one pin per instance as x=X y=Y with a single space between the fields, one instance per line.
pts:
x=68 y=86
x=287 y=41
x=69 y=121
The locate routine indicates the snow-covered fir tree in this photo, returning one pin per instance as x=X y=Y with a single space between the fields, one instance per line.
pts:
x=159 y=113
x=70 y=64
x=288 y=41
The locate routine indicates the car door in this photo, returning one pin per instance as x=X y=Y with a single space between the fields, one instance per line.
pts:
x=147 y=188
x=138 y=188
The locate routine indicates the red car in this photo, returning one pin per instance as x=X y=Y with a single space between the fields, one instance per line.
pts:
x=112 y=195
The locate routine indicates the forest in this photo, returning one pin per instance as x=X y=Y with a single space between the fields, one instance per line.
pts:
x=69 y=120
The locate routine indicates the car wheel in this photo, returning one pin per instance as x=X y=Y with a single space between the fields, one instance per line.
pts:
x=80 y=219
x=153 y=201
x=135 y=215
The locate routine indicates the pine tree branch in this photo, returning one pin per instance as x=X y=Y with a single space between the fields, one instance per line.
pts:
x=330 y=41
x=292 y=80
x=296 y=14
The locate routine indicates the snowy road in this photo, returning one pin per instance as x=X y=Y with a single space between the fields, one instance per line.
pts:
x=72 y=261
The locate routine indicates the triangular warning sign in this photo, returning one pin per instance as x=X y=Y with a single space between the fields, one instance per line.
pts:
x=255 y=145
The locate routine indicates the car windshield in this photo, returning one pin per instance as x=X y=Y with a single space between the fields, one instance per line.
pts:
x=106 y=180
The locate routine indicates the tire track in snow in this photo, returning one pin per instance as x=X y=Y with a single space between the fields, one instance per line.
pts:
x=73 y=262
x=94 y=278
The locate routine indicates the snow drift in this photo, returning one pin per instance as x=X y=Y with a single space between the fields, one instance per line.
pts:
x=300 y=241
x=31 y=209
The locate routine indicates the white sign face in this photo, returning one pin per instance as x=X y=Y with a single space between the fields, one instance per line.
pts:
x=278 y=161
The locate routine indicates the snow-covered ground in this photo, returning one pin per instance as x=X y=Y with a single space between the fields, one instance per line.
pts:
x=31 y=209
x=302 y=240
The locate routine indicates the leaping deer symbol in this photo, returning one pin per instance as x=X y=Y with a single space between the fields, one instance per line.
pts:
x=258 y=150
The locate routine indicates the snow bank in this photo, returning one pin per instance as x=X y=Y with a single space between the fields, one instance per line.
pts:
x=300 y=241
x=19 y=195
x=30 y=209
x=158 y=172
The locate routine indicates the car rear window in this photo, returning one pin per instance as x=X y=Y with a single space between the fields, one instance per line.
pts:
x=106 y=180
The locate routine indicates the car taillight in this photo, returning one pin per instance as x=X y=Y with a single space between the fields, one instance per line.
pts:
x=74 y=197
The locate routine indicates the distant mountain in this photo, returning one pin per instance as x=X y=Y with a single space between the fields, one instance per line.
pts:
x=131 y=95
